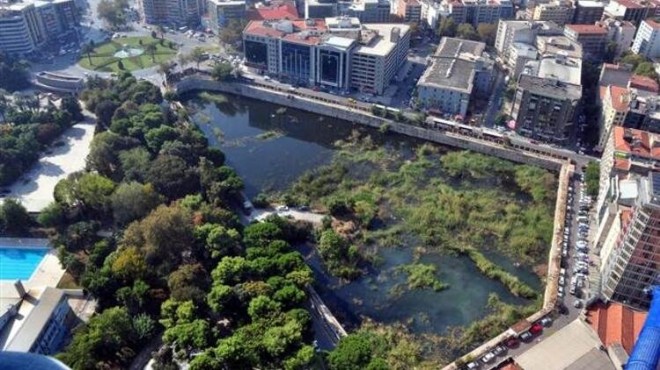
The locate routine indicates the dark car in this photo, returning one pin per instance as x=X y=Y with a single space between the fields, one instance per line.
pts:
x=512 y=342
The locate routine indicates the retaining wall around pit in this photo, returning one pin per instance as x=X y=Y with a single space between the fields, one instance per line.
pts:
x=453 y=139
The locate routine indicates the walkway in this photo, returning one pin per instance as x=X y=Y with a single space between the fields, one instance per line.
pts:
x=35 y=188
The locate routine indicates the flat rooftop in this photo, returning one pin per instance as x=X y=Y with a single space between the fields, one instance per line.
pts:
x=381 y=45
x=36 y=321
x=574 y=347
x=565 y=69
x=454 y=65
x=549 y=87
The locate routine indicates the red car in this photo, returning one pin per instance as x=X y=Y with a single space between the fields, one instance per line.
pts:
x=536 y=328
x=512 y=342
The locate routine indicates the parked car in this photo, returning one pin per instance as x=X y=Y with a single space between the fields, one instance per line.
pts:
x=577 y=303
x=499 y=350
x=472 y=365
x=546 y=321
x=488 y=357
x=525 y=336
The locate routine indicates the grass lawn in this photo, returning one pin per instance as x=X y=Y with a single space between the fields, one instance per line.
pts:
x=103 y=59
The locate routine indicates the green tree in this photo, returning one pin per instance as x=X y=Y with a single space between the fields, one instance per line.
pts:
x=447 y=27
x=197 y=55
x=646 y=69
x=70 y=104
x=467 y=32
x=132 y=201
x=144 y=326
x=592 y=178
x=189 y=283
x=14 y=218
x=101 y=340
x=112 y=12
x=172 y=176
x=222 y=71
x=52 y=216
x=151 y=50
x=353 y=352
x=487 y=33
x=135 y=164
x=232 y=33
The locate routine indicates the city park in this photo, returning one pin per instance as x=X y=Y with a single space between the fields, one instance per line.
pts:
x=127 y=54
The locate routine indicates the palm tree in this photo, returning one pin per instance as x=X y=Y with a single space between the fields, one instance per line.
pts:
x=151 y=49
x=87 y=49
x=161 y=30
x=4 y=103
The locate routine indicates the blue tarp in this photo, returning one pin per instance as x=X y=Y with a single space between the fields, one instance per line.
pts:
x=646 y=353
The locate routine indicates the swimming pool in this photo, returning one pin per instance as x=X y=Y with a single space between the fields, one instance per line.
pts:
x=19 y=263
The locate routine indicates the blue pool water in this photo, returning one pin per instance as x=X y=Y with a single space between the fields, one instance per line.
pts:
x=19 y=263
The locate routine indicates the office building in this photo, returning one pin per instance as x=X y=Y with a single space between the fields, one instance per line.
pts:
x=588 y=12
x=647 y=41
x=559 y=12
x=544 y=107
x=171 y=12
x=634 y=11
x=337 y=52
x=459 y=71
x=593 y=39
x=221 y=12
x=632 y=263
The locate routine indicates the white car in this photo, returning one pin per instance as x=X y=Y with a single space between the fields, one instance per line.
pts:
x=488 y=357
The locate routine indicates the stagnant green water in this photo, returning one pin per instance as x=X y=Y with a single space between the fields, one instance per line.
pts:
x=271 y=147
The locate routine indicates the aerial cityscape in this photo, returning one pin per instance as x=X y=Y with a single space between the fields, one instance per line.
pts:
x=330 y=184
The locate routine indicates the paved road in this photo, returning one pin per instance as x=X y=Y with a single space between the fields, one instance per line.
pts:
x=495 y=102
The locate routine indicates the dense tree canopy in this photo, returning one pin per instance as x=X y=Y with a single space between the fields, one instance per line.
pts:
x=14 y=74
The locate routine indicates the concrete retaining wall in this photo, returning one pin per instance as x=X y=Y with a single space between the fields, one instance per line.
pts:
x=356 y=116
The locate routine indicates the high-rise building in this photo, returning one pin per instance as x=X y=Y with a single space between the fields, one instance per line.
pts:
x=632 y=263
x=620 y=33
x=321 y=8
x=221 y=12
x=544 y=107
x=588 y=12
x=171 y=12
x=480 y=11
x=367 y=11
x=20 y=28
x=647 y=41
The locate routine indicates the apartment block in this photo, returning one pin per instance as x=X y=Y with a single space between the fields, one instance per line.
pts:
x=459 y=71
x=26 y=26
x=634 y=11
x=21 y=30
x=621 y=33
x=221 y=12
x=544 y=107
x=633 y=260
x=588 y=12
x=593 y=39
x=409 y=10
x=338 y=52
x=45 y=329
x=560 y=12
x=480 y=11
x=321 y=8
x=509 y=32
x=647 y=41
x=171 y=12
x=367 y=11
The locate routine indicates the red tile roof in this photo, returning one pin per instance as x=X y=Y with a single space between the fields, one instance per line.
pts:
x=261 y=28
x=587 y=29
x=644 y=83
x=630 y=4
x=618 y=98
x=282 y=10
x=648 y=143
x=655 y=25
x=616 y=323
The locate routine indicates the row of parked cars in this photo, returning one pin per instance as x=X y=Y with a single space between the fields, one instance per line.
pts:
x=512 y=342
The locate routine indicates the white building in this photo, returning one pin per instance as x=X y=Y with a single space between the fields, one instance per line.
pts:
x=647 y=41
x=509 y=32
x=622 y=33
x=221 y=12
x=459 y=69
x=171 y=12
